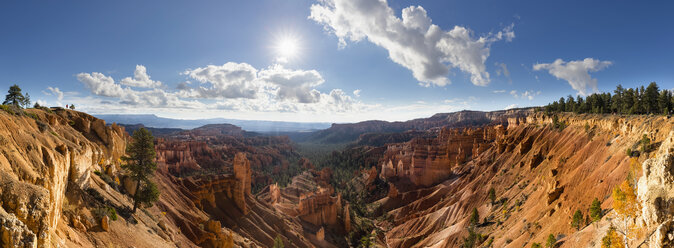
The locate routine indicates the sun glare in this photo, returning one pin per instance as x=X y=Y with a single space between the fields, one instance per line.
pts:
x=287 y=48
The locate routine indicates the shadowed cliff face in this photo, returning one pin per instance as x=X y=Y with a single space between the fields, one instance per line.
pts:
x=541 y=175
x=40 y=155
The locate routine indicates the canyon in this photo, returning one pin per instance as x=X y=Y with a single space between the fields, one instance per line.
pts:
x=222 y=186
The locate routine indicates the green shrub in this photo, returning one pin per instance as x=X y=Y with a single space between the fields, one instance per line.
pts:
x=645 y=143
x=7 y=109
x=552 y=241
x=112 y=213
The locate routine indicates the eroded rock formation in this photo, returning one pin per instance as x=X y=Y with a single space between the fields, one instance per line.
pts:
x=427 y=161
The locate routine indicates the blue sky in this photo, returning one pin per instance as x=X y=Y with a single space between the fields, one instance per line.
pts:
x=283 y=59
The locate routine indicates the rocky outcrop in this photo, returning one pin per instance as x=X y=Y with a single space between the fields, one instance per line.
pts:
x=319 y=208
x=217 y=237
x=274 y=193
x=14 y=232
x=656 y=192
x=45 y=154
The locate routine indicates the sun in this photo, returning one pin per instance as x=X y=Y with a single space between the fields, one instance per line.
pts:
x=287 y=48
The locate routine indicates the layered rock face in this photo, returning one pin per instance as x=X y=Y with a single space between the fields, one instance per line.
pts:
x=177 y=157
x=311 y=199
x=40 y=156
x=428 y=161
x=542 y=174
x=235 y=186
x=319 y=207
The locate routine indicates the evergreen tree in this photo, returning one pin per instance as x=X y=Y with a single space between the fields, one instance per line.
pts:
x=141 y=165
x=474 y=217
x=26 y=101
x=14 y=97
x=664 y=102
x=595 y=210
x=617 y=101
x=577 y=221
x=492 y=195
x=651 y=99
x=570 y=104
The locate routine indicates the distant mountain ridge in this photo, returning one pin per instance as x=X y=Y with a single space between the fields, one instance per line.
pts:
x=349 y=132
x=151 y=120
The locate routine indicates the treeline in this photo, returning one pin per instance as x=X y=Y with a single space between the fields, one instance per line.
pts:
x=634 y=101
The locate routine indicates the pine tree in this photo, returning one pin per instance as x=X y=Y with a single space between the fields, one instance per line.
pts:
x=14 y=97
x=26 y=101
x=141 y=165
x=577 y=221
x=651 y=99
x=664 y=101
x=474 y=217
x=595 y=210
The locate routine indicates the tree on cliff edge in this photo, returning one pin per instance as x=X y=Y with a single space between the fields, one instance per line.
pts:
x=141 y=165
x=15 y=97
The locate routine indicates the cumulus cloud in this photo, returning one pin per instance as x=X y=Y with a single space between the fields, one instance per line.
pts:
x=412 y=40
x=54 y=91
x=140 y=79
x=231 y=87
x=294 y=85
x=230 y=80
x=356 y=93
x=100 y=84
x=498 y=91
x=576 y=72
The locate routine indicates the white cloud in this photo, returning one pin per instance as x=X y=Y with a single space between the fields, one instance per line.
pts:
x=511 y=106
x=231 y=87
x=54 y=91
x=140 y=79
x=412 y=41
x=231 y=80
x=41 y=102
x=293 y=85
x=356 y=93
x=100 y=84
x=498 y=91
x=529 y=94
x=576 y=72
